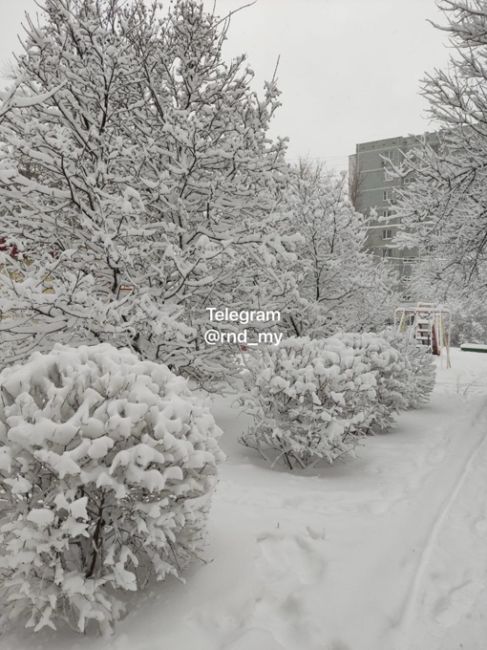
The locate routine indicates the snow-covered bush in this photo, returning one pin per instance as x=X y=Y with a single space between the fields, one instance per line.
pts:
x=390 y=370
x=309 y=400
x=420 y=369
x=107 y=465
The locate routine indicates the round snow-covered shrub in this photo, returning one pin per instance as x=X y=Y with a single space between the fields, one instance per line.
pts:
x=420 y=368
x=308 y=400
x=390 y=370
x=107 y=465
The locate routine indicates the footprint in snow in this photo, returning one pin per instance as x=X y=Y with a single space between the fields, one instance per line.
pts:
x=298 y=555
x=338 y=645
x=277 y=609
x=454 y=606
x=436 y=456
x=480 y=527
x=253 y=639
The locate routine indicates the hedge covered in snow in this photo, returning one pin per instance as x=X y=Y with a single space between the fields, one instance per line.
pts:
x=308 y=399
x=107 y=464
x=420 y=368
x=390 y=370
x=312 y=399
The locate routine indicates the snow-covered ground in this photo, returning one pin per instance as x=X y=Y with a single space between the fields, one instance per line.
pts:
x=387 y=551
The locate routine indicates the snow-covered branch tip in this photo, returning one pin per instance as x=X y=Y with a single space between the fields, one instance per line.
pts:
x=25 y=101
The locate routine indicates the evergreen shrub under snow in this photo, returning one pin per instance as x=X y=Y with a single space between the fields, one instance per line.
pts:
x=309 y=400
x=107 y=465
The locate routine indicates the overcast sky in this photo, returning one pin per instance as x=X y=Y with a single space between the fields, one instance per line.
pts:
x=349 y=69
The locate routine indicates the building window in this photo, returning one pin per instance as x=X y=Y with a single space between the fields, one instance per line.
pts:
x=387 y=195
x=386 y=156
x=386 y=252
x=387 y=233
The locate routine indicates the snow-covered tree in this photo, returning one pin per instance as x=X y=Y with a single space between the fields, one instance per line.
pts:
x=9 y=100
x=443 y=210
x=340 y=284
x=141 y=191
x=107 y=464
x=465 y=298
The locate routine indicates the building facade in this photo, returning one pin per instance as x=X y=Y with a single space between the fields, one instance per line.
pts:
x=373 y=191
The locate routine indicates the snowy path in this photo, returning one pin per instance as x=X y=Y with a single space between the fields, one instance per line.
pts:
x=384 y=552
x=442 y=521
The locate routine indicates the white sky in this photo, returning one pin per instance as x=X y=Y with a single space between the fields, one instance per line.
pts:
x=349 y=69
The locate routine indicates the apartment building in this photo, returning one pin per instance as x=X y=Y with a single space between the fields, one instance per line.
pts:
x=373 y=192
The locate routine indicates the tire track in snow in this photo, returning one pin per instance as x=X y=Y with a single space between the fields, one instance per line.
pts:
x=412 y=598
